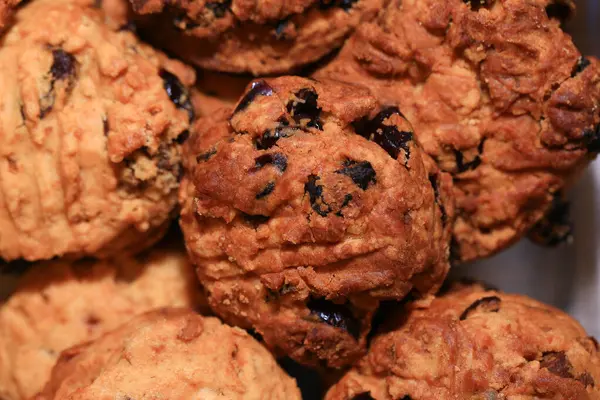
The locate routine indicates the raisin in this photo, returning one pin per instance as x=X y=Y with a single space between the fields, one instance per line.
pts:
x=183 y=137
x=582 y=64
x=267 y=190
x=278 y=160
x=219 y=9
x=280 y=29
x=555 y=227
x=305 y=108
x=559 y=10
x=255 y=220
x=315 y=193
x=347 y=200
x=336 y=315
x=478 y=4
x=206 y=156
x=586 y=379
x=258 y=88
x=105 y=126
x=488 y=304
x=463 y=166
x=345 y=5
x=436 y=192
x=177 y=92
x=557 y=363
x=363 y=396
x=388 y=137
x=270 y=138
x=361 y=173
x=63 y=65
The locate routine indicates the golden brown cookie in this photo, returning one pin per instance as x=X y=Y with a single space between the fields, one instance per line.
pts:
x=260 y=37
x=499 y=96
x=477 y=344
x=59 y=304
x=306 y=206
x=90 y=125
x=170 y=354
x=216 y=90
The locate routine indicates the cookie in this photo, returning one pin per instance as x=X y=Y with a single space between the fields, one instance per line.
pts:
x=170 y=354
x=59 y=304
x=216 y=90
x=260 y=37
x=499 y=96
x=306 y=206
x=90 y=132
x=473 y=343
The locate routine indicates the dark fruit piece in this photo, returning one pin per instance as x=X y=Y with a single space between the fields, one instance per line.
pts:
x=361 y=173
x=343 y=4
x=586 y=379
x=219 y=9
x=478 y=4
x=315 y=193
x=278 y=160
x=336 y=315
x=270 y=138
x=63 y=65
x=266 y=191
x=305 y=108
x=255 y=220
x=280 y=29
x=436 y=192
x=258 y=88
x=387 y=136
x=582 y=64
x=347 y=200
x=185 y=135
x=105 y=126
x=557 y=363
x=206 y=156
x=463 y=166
x=556 y=226
x=177 y=92
x=487 y=304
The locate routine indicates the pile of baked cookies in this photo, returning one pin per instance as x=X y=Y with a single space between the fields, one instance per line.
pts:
x=326 y=160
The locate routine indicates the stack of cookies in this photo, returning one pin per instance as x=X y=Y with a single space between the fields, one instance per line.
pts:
x=200 y=198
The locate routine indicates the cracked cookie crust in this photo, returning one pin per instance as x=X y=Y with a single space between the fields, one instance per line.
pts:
x=307 y=205
x=90 y=125
x=499 y=96
x=473 y=343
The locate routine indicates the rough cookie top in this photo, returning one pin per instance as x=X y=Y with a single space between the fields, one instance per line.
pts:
x=170 y=354
x=316 y=191
x=60 y=304
x=473 y=343
x=90 y=119
x=263 y=37
x=499 y=97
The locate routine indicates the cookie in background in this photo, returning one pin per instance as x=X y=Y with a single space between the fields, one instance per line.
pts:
x=261 y=38
x=59 y=304
x=476 y=343
x=170 y=354
x=306 y=206
x=91 y=121
x=499 y=97
x=216 y=90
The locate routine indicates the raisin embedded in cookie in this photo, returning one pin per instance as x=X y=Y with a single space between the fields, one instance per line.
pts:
x=499 y=96
x=170 y=354
x=307 y=205
x=260 y=37
x=60 y=304
x=472 y=343
x=90 y=131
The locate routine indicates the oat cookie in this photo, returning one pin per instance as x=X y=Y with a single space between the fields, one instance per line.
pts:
x=499 y=96
x=260 y=37
x=170 y=354
x=477 y=344
x=60 y=304
x=306 y=206
x=90 y=125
